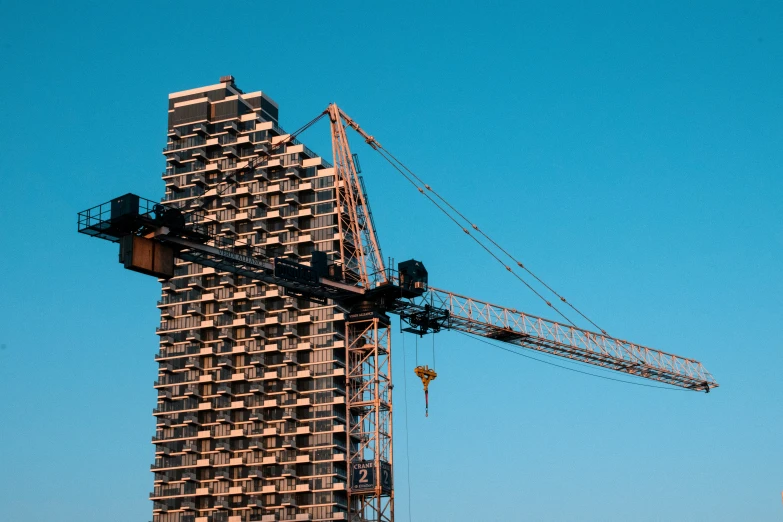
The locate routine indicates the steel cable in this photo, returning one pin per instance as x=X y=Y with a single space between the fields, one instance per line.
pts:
x=499 y=247
x=383 y=153
x=407 y=442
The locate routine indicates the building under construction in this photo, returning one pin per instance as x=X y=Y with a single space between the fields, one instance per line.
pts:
x=251 y=418
x=275 y=403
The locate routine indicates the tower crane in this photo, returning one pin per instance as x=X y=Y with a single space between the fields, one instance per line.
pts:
x=152 y=235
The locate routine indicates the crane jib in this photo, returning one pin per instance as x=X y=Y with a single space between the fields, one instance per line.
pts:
x=296 y=272
x=247 y=260
x=221 y=253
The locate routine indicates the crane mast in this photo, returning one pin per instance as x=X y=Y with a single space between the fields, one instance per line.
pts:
x=368 y=344
x=151 y=235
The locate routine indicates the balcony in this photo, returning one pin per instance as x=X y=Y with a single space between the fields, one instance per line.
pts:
x=160 y=507
x=292 y=224
x=228 y=201
x=228 y=228
x=225 y=362
x=191 y=418
x=237 y=490
x=161 y=450
x=290 y=358
x=260 y=225
x=291 y=304
x=292 y=172
x=258 y=305
x=224 y=417
x=223 y=446
x=290 y=332
x=226 y=306
x=198 y=179
x=173 y=285
x=194 y=309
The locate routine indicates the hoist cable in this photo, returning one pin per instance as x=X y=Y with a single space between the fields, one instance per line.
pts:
x=407 y=442
x=383 y=153
x=566 y=367
x=499 y=247
x=433 y=351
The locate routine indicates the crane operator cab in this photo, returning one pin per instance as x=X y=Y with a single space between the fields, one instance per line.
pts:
x=413 y=277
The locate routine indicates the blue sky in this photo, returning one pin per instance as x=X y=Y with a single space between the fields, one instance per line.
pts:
x=629 y=153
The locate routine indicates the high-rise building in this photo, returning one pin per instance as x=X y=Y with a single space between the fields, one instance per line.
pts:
x=251 y=414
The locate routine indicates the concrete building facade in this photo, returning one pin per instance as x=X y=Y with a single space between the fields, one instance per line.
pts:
x=251 y=415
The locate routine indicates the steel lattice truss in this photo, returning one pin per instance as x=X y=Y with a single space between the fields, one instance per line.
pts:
x=370 y=413
x=528 y=331
x=359 y=249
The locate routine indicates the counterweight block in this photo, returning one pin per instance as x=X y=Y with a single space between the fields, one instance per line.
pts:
x=147 y=256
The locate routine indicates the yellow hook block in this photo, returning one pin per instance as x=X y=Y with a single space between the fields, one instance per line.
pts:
x=426 y=375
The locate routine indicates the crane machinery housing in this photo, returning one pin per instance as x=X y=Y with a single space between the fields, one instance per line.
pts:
x=244 y=418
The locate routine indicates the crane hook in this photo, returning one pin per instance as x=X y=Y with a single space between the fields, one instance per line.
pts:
x=426 y=375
